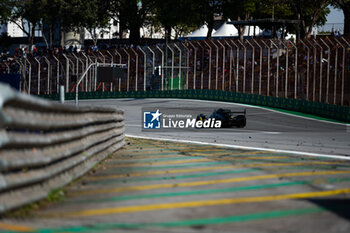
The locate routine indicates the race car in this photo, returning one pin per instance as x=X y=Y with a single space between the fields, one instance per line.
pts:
x=227 y=118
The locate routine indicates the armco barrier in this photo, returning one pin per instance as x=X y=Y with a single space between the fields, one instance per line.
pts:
x=45 y=145
x=340 y=113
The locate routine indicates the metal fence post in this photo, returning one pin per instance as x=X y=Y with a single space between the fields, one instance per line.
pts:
x=180 y=64
x=260 y=64
x=93 y=77
x=22 y=72
x=278 y=67
x=295 y=69
x=348 y=44
x=321 y=71
x=71 y=64
x=120 y=56
x=209 y=82
x=81 y=79
x=94 y=72
x=112 y=57
x=144 y=69
x=96 y=61
x=230 y=72
x=120 y=62
x=307 y=69
x=57 y=73
x=104 y=58
x=314 y=73
x=237 y=63
x=216 y=65
x=253 y=67
x=286 y=70
x=29 y=75
x=268 y=67
x=172 y=67
x=187 y=63
x=153 y=59
x=194 y=65
x=88 y=76
x=112 y=63
x=67 y=73
x=82 y=70
x=162 y=69
x=128 y=78
x=244 y=64
x=343 y=72
x=335 y=72
x=137 y=68
x=48 y=74
x=202 y=64
x=38 y=74
x=328 y=69
x=77 y=63
x=223 y=64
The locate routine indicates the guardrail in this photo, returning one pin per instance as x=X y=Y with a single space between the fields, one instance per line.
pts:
x=45 y=145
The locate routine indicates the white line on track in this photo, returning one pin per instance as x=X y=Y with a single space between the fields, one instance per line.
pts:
x=236 y=130
x=244 y=147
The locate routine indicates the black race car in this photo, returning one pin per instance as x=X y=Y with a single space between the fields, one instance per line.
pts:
x=227 y=118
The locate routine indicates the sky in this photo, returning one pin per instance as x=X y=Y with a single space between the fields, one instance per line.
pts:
x=335 y=20
x=336 y=16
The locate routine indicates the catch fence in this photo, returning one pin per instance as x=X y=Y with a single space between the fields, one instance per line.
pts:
x=317 y=70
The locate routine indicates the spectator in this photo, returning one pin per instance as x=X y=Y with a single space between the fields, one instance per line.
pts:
x=95 y=48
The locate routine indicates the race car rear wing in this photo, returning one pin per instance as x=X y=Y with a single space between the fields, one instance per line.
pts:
x=244 y=112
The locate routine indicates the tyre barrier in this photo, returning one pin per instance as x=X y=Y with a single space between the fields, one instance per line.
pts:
x=45 y=145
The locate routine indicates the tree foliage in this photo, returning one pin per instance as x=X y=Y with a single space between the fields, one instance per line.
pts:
x=240 y=10
x=181 y=15
x=5 y=9
x=310 y=12
x=27 y=15
x=208 y=9
x=132 y=15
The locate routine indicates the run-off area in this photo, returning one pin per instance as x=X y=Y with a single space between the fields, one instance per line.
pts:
x=160 y=186
x=163 y=186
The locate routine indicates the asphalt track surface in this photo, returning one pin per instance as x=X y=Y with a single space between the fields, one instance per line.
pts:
x=265 y=129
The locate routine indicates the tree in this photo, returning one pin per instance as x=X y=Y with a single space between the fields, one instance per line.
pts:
x=344 y=5
x=183 y=29
x=27 y=15
x=92 y=15
x=75 y=15
x=310 y=12
x=181 y=15
x=241 y=10
x=167 y=14
x=275 y=9
x=5 y=9
x=132 y=15
x=52 y=16
x=208 y=9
